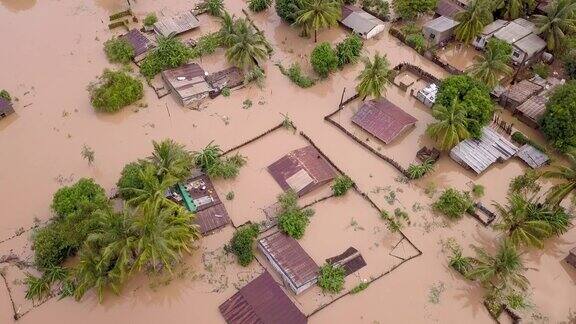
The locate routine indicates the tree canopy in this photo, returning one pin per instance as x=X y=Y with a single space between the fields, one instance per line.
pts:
x=410 y=9
x=559 y=121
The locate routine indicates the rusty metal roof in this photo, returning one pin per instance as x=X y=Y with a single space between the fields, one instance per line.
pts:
x=293 y=261
x=522 y=90
x=212 y=218
x=533 y=108
x=261 y=301
x=187 y=81
x=230 y=78
x=351 y=260
x=140 y=43
x=211 y=213
x=295 y=163
x=383 y=119
x=448 y=8
x=5 y=107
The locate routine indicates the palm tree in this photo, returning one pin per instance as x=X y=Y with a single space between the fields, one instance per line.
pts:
x=207 y=157
x=491 y=66
x=89 y=274
x=512 y=9
x=375 y=77
x=171 y=159
x=472 y=21
x=153 y=188
x=318 y=14
x=558 y=21
x=523 y=221
x=246 y=46
x=451 y=126
x=567 y=174
x=226 y=29
x=213 y=7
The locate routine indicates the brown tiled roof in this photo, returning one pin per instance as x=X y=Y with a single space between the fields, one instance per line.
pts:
x=448 y=8
x=261 y=301
x=351 y=260
x=293 y=261
x=522 y=90
x=306 y=159
x=212 y=218
x=140 y=43
x=383 y=119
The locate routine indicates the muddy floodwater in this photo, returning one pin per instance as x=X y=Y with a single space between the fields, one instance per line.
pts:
x=51 y=50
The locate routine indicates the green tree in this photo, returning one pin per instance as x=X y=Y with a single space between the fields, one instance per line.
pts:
x=130 y=178
x=493 y=64
x=567 y=176
x=472 y=21
x=171 y=159
x=118 y=50
x=450 y=127
x=375 y=77
x=246 y=46
x=288 y=10
x=323 y=59
x=410 y=9
x=169 y=53
x=150 y=187
x=212 y=7
x=559 y=120
x=115 y=90
x=512 y=9
x=318 y=14
x=259 y=5
x=349 y=50
x=557 y=23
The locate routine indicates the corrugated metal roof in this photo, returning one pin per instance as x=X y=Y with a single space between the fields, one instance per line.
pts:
x=174 y=25
x=230 y=78
x=441 y=24
x=140 y=43
x=261 y=301
x=351 y=260
x=448 y=8
x=294 y=262
x=532 y=156
x=307 y=159
x=533 y=108
x=188 y=81
x=494 y=26
x=512 y=32
x=347 y=10
x=531 y=44
x=212 y=218
x=361 y=22
x=521 y=91
x=383 y=119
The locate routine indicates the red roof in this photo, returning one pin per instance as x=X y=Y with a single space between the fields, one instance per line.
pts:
x=307 y=159
x=383 y=119
x=261 y=301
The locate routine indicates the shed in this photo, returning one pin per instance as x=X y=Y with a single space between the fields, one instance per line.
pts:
x=296 y=267
x=383 y=119
x=530 y=45
x=532 y=110
x=478 y=155
x=532 y=156
x=519 y=93
x=302 y=170
x=449 y=8
x=5 y=108
x=360 y=22
x=571 y=258
x=175 y=25
x=439 y=29
x=350 y=260
x=261 y=301
x=139 y=42
x=228 y=78
x=481 y=40
x=188 y=83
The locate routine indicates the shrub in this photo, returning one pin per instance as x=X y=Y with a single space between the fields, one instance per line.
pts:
x=478 y=190
x=294 y=73
x=360 y=287
x=130 y=179
x=459 y=262
x=50 y=247
x=206 y=45
x=417 y=171
x=4 y=94
x=521 y=139
x=559 y=121
x=242 y=243
x=292 y=220
x=541 y=69
x=453 y=203
x=150 y=19
x=115 y=90
x=395 y=222
x=259 y=5
x=525 y=183
x=570 y=65
x=324 y=59
x=170 y=53
x=37 y=288
x=341 y=185
x=287 y=9
x=331 y=278
x=417 y=42
x=379 y=7
x=410 y=9
x=349 y=50
x=85 y=196
x=225 y=92
x=118 y=50
x=212 y=7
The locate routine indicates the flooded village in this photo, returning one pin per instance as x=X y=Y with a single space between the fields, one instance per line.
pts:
x=370 y=161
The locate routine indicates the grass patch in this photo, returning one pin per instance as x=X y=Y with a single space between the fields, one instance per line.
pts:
x=341 y=185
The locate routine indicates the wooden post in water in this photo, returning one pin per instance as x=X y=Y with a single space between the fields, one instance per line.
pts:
x=342 y=97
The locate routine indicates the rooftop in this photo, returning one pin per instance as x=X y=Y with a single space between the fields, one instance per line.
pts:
x=448 y=8
x=174 y=25
x=533 y=108
x=358 y=20
x=140 y=43
x=521 y=91
x=188 y=81
x=441 y=24
x=532 y=156
x=383 y=119
x=513 y=31
x=494 y=26
x=531 y=44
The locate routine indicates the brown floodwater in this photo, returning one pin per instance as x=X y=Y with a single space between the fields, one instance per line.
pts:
x=53 y=50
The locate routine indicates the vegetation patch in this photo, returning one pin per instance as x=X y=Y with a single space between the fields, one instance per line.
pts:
x=295 y=74
x=210 y=160
x=118 y=50
x=396 y=221
x=453 y=203
x=150 y=19
x=559 y=121
x=115 y=90
x=417 y=171
x=292 y=219
x=360 y=287
x=170 y=53
x=259 y=5
x=5 y=95
x=341 y=185
x=410 y=9
x=331 y=278
x=349 y=50
x=380 y=7
x=323 y=59
x=242 y=243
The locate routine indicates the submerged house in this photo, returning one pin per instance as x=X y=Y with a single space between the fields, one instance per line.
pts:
x=139 y=42
x=478 y=155
x=518 y=93
x=297 y=269
x=439 y=30
x=228 y=78
x=383 y=119
x=302 y=170
x=5 y=108
x=532 y=156
x=175 y=25
x=360 y=22
x=532 y=110
x=427 y=95
x=263 y=301
x=350 y=260
x=188 y=82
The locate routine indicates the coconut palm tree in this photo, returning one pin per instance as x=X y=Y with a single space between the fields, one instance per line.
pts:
x=450 y=127
x=212 y=7
x=152 y=187
x=226 y=29
x=512 y=9
x=318 y=14
x=472 y=21
x=558 y=21
x=375 y=77
x=89 y=273
x=171 y=159
x=492 y=65
x=567 y=174
x=246 y=46
x=523 y=221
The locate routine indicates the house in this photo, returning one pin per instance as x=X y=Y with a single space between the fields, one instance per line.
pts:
x=478 y=155
x=518 y=93
x=5 y=108
x=302 y=170
x=520 y=33
x=297 y=269
x=439 y=30
x=571 y=258
x=360 y=22
x=188 y=82
x=531 y=111
x=383 y=119
x=449 y=8
x=262 y=300
x=139 y=42
x=175 y=25
x=350 y=260
x=532 y=156
x=228 y=78
x=427 y=95
x=481 y=40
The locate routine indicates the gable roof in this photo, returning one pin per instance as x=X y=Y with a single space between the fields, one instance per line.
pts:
x=383 y=119
x=178 y=24
x=521 y=91
x=350 y=260
x=533 y=108
x=513 y=32
x=531 y=44
x=261 y=301
x=187 y=80
x=358 y=20
x=139 y=42
x=441 y=24
x=448 y=8
x=494 y=26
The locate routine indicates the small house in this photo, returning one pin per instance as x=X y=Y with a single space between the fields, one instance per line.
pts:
x=188 y=82
x=478 y=155
x=175 y=25
x=262 y=300
x=5 y=108
x=439 y=30
x=519 y=93
x=297 y=269
x=360 y=22
x=526 y=45
x=302 y=170
x=481 y=40
x=139 y=42
x=383 y=119
x=350 y=260
x=531 y=111
x=532 y=156
x=449 y=8
x=228 y=78
x=571 y=258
